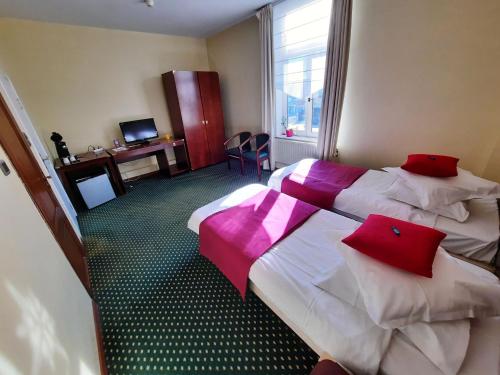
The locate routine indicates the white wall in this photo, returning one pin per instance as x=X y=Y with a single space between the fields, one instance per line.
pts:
x=46 y=320
x=235 y=54
x=423 y=76
x=82 y=81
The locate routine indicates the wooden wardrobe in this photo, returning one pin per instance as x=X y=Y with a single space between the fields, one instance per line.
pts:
x=195 y=107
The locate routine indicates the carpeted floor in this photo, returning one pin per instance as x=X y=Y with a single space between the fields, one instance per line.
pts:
x=167 y=310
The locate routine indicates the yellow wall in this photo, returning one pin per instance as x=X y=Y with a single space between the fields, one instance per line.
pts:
x=235 y=54
x=83 y=81
x=424 y=76
x=46 y=318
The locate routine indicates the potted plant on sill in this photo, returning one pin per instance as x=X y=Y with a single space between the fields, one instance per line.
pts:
x=286 y=130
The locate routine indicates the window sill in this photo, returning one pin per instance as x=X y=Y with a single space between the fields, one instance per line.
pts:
x=297 y=138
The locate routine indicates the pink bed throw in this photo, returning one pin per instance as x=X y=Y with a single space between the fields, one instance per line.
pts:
x=235 y=238
x=321 y=182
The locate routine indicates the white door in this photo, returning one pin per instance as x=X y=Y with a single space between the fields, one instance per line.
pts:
x=38 y=148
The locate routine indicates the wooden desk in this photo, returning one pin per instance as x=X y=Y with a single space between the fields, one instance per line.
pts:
x=159 y=149
x=89 y=164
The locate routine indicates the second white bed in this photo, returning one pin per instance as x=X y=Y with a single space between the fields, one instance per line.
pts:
x=282 y=278
x=476 y=238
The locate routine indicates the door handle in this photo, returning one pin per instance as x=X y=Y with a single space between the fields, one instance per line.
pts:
x=4 y=167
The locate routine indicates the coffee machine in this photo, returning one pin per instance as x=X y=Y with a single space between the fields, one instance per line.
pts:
x=61 y=148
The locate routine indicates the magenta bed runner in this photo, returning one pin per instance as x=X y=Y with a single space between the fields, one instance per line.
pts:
x=235 y=238
x=321 y=183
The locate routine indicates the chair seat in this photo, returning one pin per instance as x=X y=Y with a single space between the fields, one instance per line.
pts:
x=252 y=155
x=235 y=151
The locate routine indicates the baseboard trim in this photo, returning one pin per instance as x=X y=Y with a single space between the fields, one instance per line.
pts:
x=99 y=338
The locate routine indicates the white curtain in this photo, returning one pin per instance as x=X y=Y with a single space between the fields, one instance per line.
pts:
x=265 y=16
x=337 y=55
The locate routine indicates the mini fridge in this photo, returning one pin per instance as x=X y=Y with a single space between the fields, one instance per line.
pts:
x=96 y=190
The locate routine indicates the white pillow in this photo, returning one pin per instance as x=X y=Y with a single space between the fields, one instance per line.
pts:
x=443 y=343
x=395 y=298
x=433 y=192
x=401 y=192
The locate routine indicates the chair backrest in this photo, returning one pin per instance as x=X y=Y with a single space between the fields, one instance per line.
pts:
x=260 y=139
x=243 y=137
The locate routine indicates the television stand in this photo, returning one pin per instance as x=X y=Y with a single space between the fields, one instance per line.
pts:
x=142 y=144
x=159 y=149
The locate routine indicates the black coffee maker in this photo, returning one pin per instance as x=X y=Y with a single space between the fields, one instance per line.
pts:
x=61 y=148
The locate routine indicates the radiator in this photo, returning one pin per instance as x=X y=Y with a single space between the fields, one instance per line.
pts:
x=287 y=151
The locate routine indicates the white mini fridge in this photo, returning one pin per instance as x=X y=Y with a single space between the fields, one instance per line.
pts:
x=96 y=190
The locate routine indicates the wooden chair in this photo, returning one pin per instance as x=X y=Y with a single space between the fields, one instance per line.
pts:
x=261 y=154
x=238 y=151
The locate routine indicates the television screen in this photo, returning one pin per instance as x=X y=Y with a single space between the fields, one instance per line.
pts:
x=139 y=130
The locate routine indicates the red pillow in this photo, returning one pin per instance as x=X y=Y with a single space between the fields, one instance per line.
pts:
x=431 y=165
x=399 y=243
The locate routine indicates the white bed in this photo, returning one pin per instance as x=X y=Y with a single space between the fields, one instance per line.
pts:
x=476 y=238
x=282 y=278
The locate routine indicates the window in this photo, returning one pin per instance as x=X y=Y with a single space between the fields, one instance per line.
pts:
x=300 y=29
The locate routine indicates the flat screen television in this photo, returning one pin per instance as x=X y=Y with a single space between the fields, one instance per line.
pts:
x=139 y=131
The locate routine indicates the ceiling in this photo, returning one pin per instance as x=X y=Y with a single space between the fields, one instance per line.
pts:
x=197 y=18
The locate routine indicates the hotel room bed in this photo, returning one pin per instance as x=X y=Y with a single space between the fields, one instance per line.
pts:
x=282 y=278
x=477 y=238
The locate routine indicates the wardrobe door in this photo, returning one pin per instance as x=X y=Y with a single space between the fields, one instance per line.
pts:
x=212 y=110
x=191 y=109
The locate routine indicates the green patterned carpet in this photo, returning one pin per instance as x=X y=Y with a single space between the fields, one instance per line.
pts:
x=167 y=310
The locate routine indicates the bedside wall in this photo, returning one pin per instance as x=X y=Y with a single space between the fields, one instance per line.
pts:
x=423 y=76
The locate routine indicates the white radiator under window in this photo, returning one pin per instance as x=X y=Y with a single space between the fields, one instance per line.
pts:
x=287 y=151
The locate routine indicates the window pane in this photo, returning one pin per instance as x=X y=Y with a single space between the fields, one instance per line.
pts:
x=296 y=113
x=300 y=37
x=317 y=98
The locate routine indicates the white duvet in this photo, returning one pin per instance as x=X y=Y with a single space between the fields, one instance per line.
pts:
x=476 y=238
x=283 y=279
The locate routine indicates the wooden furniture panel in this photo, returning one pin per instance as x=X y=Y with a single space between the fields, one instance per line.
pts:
x=212 y=110
x=195 y=108
x=190 y=126
x=158 y=149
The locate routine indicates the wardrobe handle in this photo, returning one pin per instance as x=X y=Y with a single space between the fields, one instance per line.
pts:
x=206 y=122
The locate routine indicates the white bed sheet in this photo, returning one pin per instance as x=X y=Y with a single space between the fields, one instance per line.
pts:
x=282 y=278
x=483 y=353
x=477 y=238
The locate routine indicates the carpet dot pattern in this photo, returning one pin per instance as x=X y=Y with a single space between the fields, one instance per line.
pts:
x=164 y=308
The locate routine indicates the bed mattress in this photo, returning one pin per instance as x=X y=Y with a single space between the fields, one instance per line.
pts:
x=477 y=238
x=282 y=278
